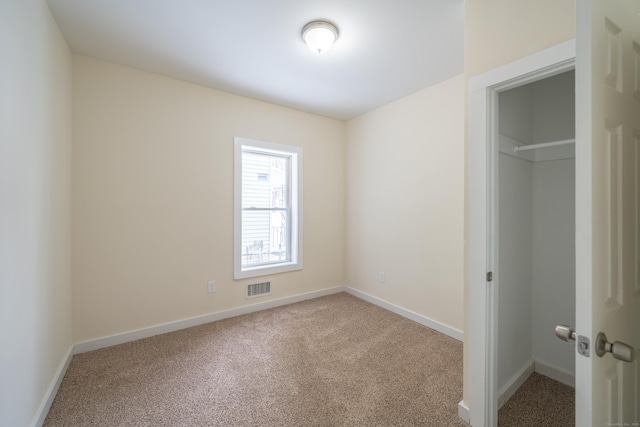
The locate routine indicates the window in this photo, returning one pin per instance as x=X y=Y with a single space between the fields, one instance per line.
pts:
x=268 y=208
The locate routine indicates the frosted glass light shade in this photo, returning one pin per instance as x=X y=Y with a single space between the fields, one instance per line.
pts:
x=319 y=35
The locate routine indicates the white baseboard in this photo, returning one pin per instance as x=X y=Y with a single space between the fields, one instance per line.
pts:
x=83 y=347
x=463 y=412
x=514 y=383
x=43 y=410
x=557 y=374
x=418 y=318
x=164 y=328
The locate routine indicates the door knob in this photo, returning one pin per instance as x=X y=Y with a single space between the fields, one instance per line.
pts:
x=565 y=333
x=619 y=350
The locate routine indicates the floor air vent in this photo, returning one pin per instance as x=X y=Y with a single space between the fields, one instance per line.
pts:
x=258 y=289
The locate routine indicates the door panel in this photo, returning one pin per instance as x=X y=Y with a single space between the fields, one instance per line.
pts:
x=613 y=199
x=608 y=187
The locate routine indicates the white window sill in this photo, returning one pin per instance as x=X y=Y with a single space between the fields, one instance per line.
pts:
x=265 y=270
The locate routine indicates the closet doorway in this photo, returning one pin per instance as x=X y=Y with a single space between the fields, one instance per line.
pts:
x=535 y=233
x=607 y=162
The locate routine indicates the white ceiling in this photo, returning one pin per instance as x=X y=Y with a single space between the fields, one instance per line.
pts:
x=387 y=49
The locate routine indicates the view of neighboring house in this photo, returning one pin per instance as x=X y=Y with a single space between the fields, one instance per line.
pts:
x=264 y=187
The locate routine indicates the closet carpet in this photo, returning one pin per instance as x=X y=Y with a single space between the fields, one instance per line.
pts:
x=331 y=361
x=540 y=401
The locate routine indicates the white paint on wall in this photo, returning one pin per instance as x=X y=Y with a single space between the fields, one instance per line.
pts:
x=35 y=210
x=514 y=275
x=553 y=286
x=515 y=190
x=537 y=226
x=553 y=109
x=405 y=170
x=553 y=291
x=516 y=111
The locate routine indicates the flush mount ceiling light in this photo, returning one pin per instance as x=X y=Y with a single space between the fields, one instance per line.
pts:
x=319 y=35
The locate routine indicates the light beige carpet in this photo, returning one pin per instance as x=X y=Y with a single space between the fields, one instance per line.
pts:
x=331 y=361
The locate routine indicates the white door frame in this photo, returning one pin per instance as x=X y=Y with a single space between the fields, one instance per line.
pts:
x=483 y=243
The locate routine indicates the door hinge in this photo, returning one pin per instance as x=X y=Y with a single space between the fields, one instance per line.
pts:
x=490 y=276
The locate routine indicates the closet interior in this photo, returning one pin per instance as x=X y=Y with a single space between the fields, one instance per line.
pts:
x=536 y=231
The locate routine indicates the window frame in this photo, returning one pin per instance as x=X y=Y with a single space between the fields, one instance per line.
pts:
x=294 y=222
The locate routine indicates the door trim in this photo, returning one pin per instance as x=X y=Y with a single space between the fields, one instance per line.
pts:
x=483 y=243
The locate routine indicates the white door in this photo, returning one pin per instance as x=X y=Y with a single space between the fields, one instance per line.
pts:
x=608 y=207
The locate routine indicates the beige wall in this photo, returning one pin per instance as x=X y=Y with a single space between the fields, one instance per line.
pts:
x=152 y=185
x=153 y=197
x=498 y=32
x=35 y=208
x=405 y=193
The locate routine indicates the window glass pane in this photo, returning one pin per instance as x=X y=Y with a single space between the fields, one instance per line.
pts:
x=264 y=181
x=267 y=208
x=264 y=237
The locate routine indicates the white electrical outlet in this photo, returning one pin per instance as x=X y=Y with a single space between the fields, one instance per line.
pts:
x=381 y=277
x=211 y=286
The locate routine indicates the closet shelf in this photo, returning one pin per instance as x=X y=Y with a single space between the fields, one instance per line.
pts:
x=543 y=145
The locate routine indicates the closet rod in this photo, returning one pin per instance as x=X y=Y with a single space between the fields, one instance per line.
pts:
x=543 y=145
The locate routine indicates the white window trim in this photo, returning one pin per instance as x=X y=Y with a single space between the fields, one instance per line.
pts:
x=296 y=208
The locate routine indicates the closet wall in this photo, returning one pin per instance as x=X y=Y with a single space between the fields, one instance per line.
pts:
x=515 y=219
x=536 y=271
x=553 y=266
